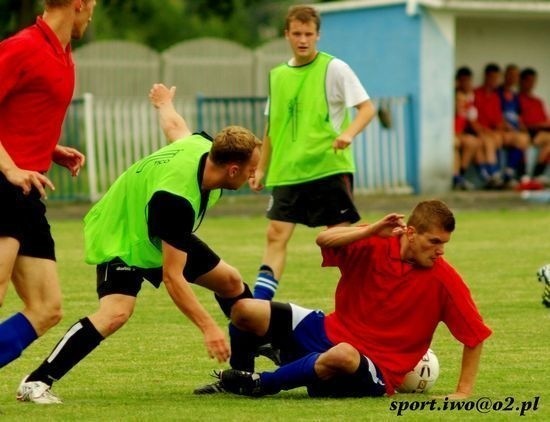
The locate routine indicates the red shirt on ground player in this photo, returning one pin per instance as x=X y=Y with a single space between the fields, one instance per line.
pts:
x=389 y=309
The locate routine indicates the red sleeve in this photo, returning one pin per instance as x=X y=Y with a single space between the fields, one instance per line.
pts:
x=11 y=58
x=461 y=314
x=340 y=256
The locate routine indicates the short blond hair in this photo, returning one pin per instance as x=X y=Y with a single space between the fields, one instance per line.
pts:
x=234 y=144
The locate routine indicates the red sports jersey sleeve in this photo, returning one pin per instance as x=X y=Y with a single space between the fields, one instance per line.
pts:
x=36 y=88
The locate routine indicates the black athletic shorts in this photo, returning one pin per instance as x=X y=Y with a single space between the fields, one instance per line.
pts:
x=23 y=217
x=324 y=202
x=116 y=277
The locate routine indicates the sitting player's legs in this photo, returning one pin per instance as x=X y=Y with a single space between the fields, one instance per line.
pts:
x=344 y=372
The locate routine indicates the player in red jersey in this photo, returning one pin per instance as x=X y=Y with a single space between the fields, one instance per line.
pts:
x=36 y=88
x=535 y=116
x=492 y=122
x=395 y=288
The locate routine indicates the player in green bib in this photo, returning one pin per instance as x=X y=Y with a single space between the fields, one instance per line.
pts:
x=143 y=229
x=306 y=156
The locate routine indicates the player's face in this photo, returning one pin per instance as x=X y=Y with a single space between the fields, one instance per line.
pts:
x=83 y=18
x=426 y=248
x=302 y=37
x=239 y=174
x=492 y=79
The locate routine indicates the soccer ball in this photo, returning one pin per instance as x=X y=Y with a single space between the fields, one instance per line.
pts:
x=423 y=376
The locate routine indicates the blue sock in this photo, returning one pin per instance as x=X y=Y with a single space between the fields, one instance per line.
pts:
x=298 y=373
x=266 y=284
x=16 y=334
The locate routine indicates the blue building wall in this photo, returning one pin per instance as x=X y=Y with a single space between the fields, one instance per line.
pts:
x=382 y=46
x=435 y=145
x=395 y=54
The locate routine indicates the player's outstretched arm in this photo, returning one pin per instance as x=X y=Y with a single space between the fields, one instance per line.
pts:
x=172 y=123
x=468 y=372
x=390 y=225
x=183 y=296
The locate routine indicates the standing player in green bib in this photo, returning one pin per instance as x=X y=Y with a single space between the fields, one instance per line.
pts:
x=143 y=229
x=306 y=155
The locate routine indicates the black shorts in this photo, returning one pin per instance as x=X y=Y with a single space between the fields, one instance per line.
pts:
x=23 y=217
x=116 y=277
x=324 y=202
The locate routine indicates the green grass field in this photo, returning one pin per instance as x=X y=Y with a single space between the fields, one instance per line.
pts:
x=147 y=371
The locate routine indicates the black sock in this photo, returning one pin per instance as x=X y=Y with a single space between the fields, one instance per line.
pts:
x=539 y=169
x=75 y=345
x=243 y=348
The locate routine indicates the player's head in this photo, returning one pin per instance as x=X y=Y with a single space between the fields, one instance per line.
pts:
x=83 y=13
x=511 y=75
x=429 y=228
x=492 y=75
x=302 y=27
x=236 y=150
x=527 y=80
x=463 y=79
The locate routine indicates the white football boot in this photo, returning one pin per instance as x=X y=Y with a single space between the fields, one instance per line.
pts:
x=36 y=392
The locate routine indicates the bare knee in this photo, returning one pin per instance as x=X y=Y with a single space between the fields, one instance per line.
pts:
x=278 y=233
x=251 y=315
x=230 y=284
x=44 y=316
x=109 y=319
x=342 y=358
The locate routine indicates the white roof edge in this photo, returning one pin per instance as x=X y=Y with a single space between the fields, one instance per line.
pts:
x=451 y=5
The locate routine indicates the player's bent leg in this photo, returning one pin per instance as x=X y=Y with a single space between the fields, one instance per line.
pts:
x=37 y=284
x=77 y=343
x=35 y=281
x=114 y=310
x=8 y=254
x=224 y=280
x=252 y=315
x=277 y=237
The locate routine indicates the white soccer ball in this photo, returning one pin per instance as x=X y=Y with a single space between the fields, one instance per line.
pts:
x=423 y=376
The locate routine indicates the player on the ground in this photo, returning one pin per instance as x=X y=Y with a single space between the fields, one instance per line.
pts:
x=394 y=290
x=36 y=88
x=306 y=154
x=143 y=229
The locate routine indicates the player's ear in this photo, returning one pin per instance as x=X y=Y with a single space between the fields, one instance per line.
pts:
x=233 y=170
x=410 y=231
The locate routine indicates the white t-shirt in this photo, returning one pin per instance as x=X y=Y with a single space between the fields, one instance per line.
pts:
x=343 y=88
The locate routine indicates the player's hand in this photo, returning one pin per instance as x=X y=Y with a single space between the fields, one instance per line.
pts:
x=256 y=182
x=216 y=344
x=455 y=396
x=27 y=179
x=160 y=95
x=341 y=142
x=69 y=158
x=391 y=225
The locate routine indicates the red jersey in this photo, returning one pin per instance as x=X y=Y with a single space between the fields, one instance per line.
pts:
x=36 y=88
x=389 y=309
x=533 y=110
x=488 y=108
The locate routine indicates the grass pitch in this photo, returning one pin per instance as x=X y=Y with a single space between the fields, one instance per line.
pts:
x=147 y=371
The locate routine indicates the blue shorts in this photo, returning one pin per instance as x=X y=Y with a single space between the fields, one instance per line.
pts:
x=298 y=331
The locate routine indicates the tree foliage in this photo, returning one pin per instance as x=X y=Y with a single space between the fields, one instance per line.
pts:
x=160 y=24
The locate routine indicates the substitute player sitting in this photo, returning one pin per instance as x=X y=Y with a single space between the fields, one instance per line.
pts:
x=395 y=288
